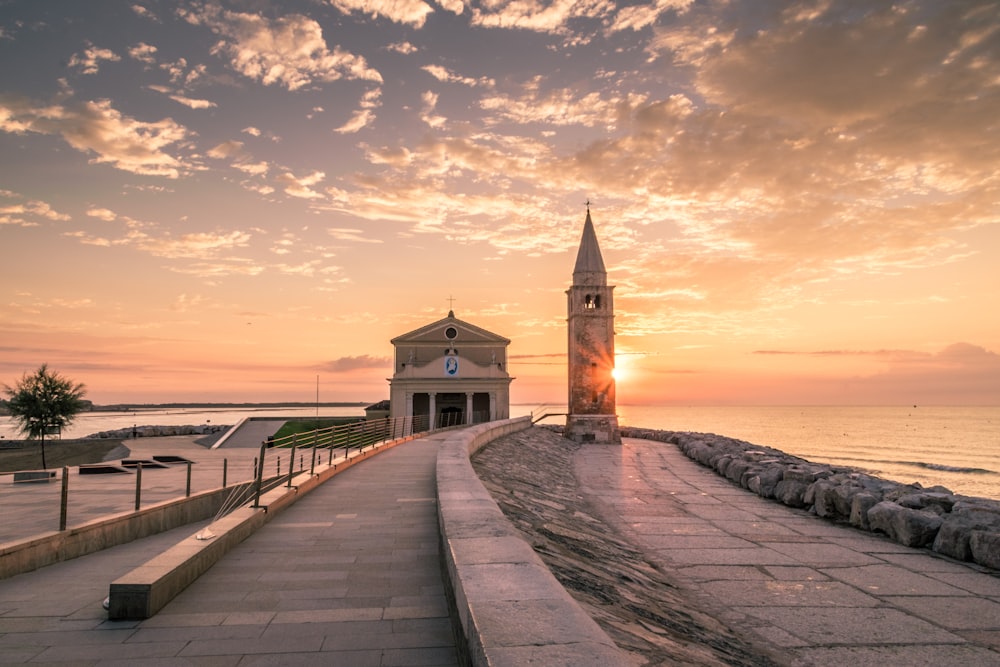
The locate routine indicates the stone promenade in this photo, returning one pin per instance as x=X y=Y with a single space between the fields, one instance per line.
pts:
x=348 y=575
x=678 y=565
x=796 y=588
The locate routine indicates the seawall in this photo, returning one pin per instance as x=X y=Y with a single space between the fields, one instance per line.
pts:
x=963 y=527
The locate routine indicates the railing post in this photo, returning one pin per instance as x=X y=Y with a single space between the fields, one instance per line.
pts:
x=64 y=499
x=312 y=466
x=138 y=485
x=259 y=475
x=187 y=489
x=225 y=471
x=291 y=460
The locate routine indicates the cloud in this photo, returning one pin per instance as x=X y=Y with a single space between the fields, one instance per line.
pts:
x=562 y=106
x=89 y=61
x=29 y=213
x=364 y=116
x=444 y=74
x=301 y=187
x=352 y=235
x=144 y=53
x=538 y=15
x=227 y=149
x=408 y=12
x=96 y=127
x=289 y=51
x=347 y=364
x=637 y=17
x=102 y=214
x=406 y=48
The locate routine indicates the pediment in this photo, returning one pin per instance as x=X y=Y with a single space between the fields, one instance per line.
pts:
x=435 y=333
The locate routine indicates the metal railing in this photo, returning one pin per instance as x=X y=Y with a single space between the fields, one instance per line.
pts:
x=301 y=451
x=545 y=411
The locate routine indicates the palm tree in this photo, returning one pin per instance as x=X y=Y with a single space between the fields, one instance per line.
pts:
x=44 y=402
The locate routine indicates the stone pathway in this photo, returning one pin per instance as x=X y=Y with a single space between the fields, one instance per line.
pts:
x=817 y=592
x=348 y=575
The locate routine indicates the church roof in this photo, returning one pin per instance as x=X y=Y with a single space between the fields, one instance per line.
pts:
x=589 y=269
x=465 y=333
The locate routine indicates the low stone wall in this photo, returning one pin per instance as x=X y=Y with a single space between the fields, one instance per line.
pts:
x=56 y=546
x=962 y=527
x=148 y=431
x=512 y=610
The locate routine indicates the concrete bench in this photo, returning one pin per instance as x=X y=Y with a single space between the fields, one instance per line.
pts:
x=101 y=469
x=145 y=463
x=34 y=475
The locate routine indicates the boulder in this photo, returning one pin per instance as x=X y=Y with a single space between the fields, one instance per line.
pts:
x=764 y=482
x=939 y=503
x=985 y=547
x=909 y=527
x=791 y=492
x=954 y=537
x=860 y=504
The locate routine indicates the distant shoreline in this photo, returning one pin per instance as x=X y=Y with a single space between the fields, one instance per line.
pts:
x=130 y=407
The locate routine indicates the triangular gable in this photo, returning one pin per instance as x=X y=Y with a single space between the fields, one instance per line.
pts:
x=434 y=333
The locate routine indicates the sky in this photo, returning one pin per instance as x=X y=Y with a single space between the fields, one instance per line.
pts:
x=798 y=202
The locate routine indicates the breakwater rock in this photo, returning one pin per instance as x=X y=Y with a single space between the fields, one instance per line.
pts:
x=962 y=527
x=160 y=431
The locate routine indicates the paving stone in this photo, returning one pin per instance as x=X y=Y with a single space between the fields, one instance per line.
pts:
x=955 y=613
x=788 y=593
x=891 y=580
x=852 y=625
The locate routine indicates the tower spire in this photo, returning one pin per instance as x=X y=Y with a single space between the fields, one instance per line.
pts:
x=589 y=268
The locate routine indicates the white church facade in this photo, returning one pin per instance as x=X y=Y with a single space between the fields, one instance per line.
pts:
x=450 y=372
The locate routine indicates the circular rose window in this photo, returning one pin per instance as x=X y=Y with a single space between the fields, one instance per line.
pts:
x=451 y=333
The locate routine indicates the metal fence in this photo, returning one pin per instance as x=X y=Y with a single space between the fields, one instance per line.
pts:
x=301 y=451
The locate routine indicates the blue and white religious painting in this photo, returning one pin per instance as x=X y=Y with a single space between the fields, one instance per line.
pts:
x=451 y=365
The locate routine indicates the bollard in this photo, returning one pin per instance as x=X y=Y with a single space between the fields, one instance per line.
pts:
x=138 y=485
x=64 y=499
x=187 y=490
x=225 y=471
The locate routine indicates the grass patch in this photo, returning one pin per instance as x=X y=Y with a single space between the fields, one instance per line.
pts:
x=299 y=426
x=58 y=453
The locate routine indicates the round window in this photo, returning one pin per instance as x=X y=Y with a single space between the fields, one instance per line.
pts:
x=451 y=333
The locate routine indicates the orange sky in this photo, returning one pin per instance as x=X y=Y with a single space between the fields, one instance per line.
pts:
x=797 y=201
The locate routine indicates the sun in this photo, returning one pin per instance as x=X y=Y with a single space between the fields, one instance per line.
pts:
x=618 y=373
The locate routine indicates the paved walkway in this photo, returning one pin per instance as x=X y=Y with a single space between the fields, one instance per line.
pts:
x=822 y=594
x=349 y=575
x=93 y=496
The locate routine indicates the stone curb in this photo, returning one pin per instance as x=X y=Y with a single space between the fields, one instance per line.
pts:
x=146 y=589
x=511 y=609
x=56 y=546
x=962 y=527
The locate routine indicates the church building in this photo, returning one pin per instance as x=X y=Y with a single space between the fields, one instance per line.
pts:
x=450 y=372
x=591 y=356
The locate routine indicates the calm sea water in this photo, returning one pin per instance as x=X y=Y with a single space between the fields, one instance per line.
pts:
x=87 y=423
x=955 y=447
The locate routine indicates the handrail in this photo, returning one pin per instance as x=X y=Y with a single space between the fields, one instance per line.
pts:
x=343 y=438
x=544 y=411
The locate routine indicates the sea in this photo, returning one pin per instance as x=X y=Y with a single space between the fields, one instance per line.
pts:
x=955 y=447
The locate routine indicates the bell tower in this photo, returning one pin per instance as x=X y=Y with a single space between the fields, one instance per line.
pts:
x=591 y=354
